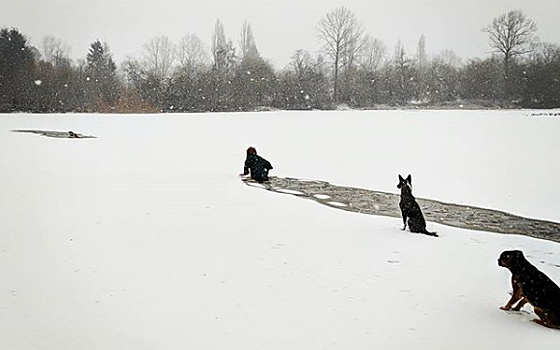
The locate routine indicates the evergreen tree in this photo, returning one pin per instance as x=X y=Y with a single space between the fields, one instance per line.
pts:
x=17 y=72
x=101 y=76
x=253 y=84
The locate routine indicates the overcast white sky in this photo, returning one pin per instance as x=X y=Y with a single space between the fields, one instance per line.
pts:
x=280 y=27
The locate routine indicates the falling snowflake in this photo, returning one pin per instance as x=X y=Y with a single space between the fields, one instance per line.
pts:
x=38 y=82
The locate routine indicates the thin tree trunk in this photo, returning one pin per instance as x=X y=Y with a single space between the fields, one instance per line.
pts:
x=505 y=95
x=335 y=94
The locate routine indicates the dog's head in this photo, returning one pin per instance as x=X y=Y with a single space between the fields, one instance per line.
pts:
x=405 y=183
x=511 y=258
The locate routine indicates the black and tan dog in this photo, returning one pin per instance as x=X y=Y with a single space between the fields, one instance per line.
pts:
x=410 y=209
x=531 y=286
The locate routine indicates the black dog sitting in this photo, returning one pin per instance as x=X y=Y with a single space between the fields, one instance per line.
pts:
x=531 y=286
x=410 y=208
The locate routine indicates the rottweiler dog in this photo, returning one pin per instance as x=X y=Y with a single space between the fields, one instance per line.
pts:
x=411 y=212
x=531 y=286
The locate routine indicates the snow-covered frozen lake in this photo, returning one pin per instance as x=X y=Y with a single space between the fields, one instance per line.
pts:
x=145 y=237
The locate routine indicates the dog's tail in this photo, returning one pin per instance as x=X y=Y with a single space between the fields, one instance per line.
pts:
x=433 y=234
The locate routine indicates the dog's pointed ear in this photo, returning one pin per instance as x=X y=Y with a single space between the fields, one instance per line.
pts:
x=401 y=178
x=409 y=178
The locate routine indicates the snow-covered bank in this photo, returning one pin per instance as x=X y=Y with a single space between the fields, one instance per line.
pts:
x=145 y=238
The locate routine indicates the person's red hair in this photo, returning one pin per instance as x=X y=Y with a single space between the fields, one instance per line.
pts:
x=251 y=150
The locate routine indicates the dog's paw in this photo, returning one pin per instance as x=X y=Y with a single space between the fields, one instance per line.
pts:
x=504 y=308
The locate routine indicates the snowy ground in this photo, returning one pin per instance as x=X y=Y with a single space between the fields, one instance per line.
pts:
x=145 y=238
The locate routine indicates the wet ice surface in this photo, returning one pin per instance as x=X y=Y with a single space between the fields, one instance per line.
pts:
x=288 y=191
x=321 y=196
x=57 y=134
x=387 y=204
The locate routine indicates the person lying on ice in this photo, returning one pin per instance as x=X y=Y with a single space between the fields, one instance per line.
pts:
x=258 y=166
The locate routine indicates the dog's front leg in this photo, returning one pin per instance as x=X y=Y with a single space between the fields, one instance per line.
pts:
x=520 y=304
x=516 y=295
x=513 y=300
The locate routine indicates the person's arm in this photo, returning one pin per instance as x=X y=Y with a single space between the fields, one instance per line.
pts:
x=267 y=164
x=246 y=167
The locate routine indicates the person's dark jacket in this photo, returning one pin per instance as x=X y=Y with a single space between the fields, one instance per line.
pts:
x=258 y=166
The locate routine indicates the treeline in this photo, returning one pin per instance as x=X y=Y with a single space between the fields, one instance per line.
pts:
x=352 y=69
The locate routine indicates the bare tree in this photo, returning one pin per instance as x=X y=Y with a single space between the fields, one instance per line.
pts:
x=247 y=42
x=421 y=70
x=421 y=55
x=372 y=54
x=402 y=73
x=449 y=58
x=223 y=51
x=341 y=34
x=546 y=53
x=303 y=83
x=191 y=54
x=53 y=49
x=511 y=35
x=159 y=54
x=301 y=63
x=219 y=46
